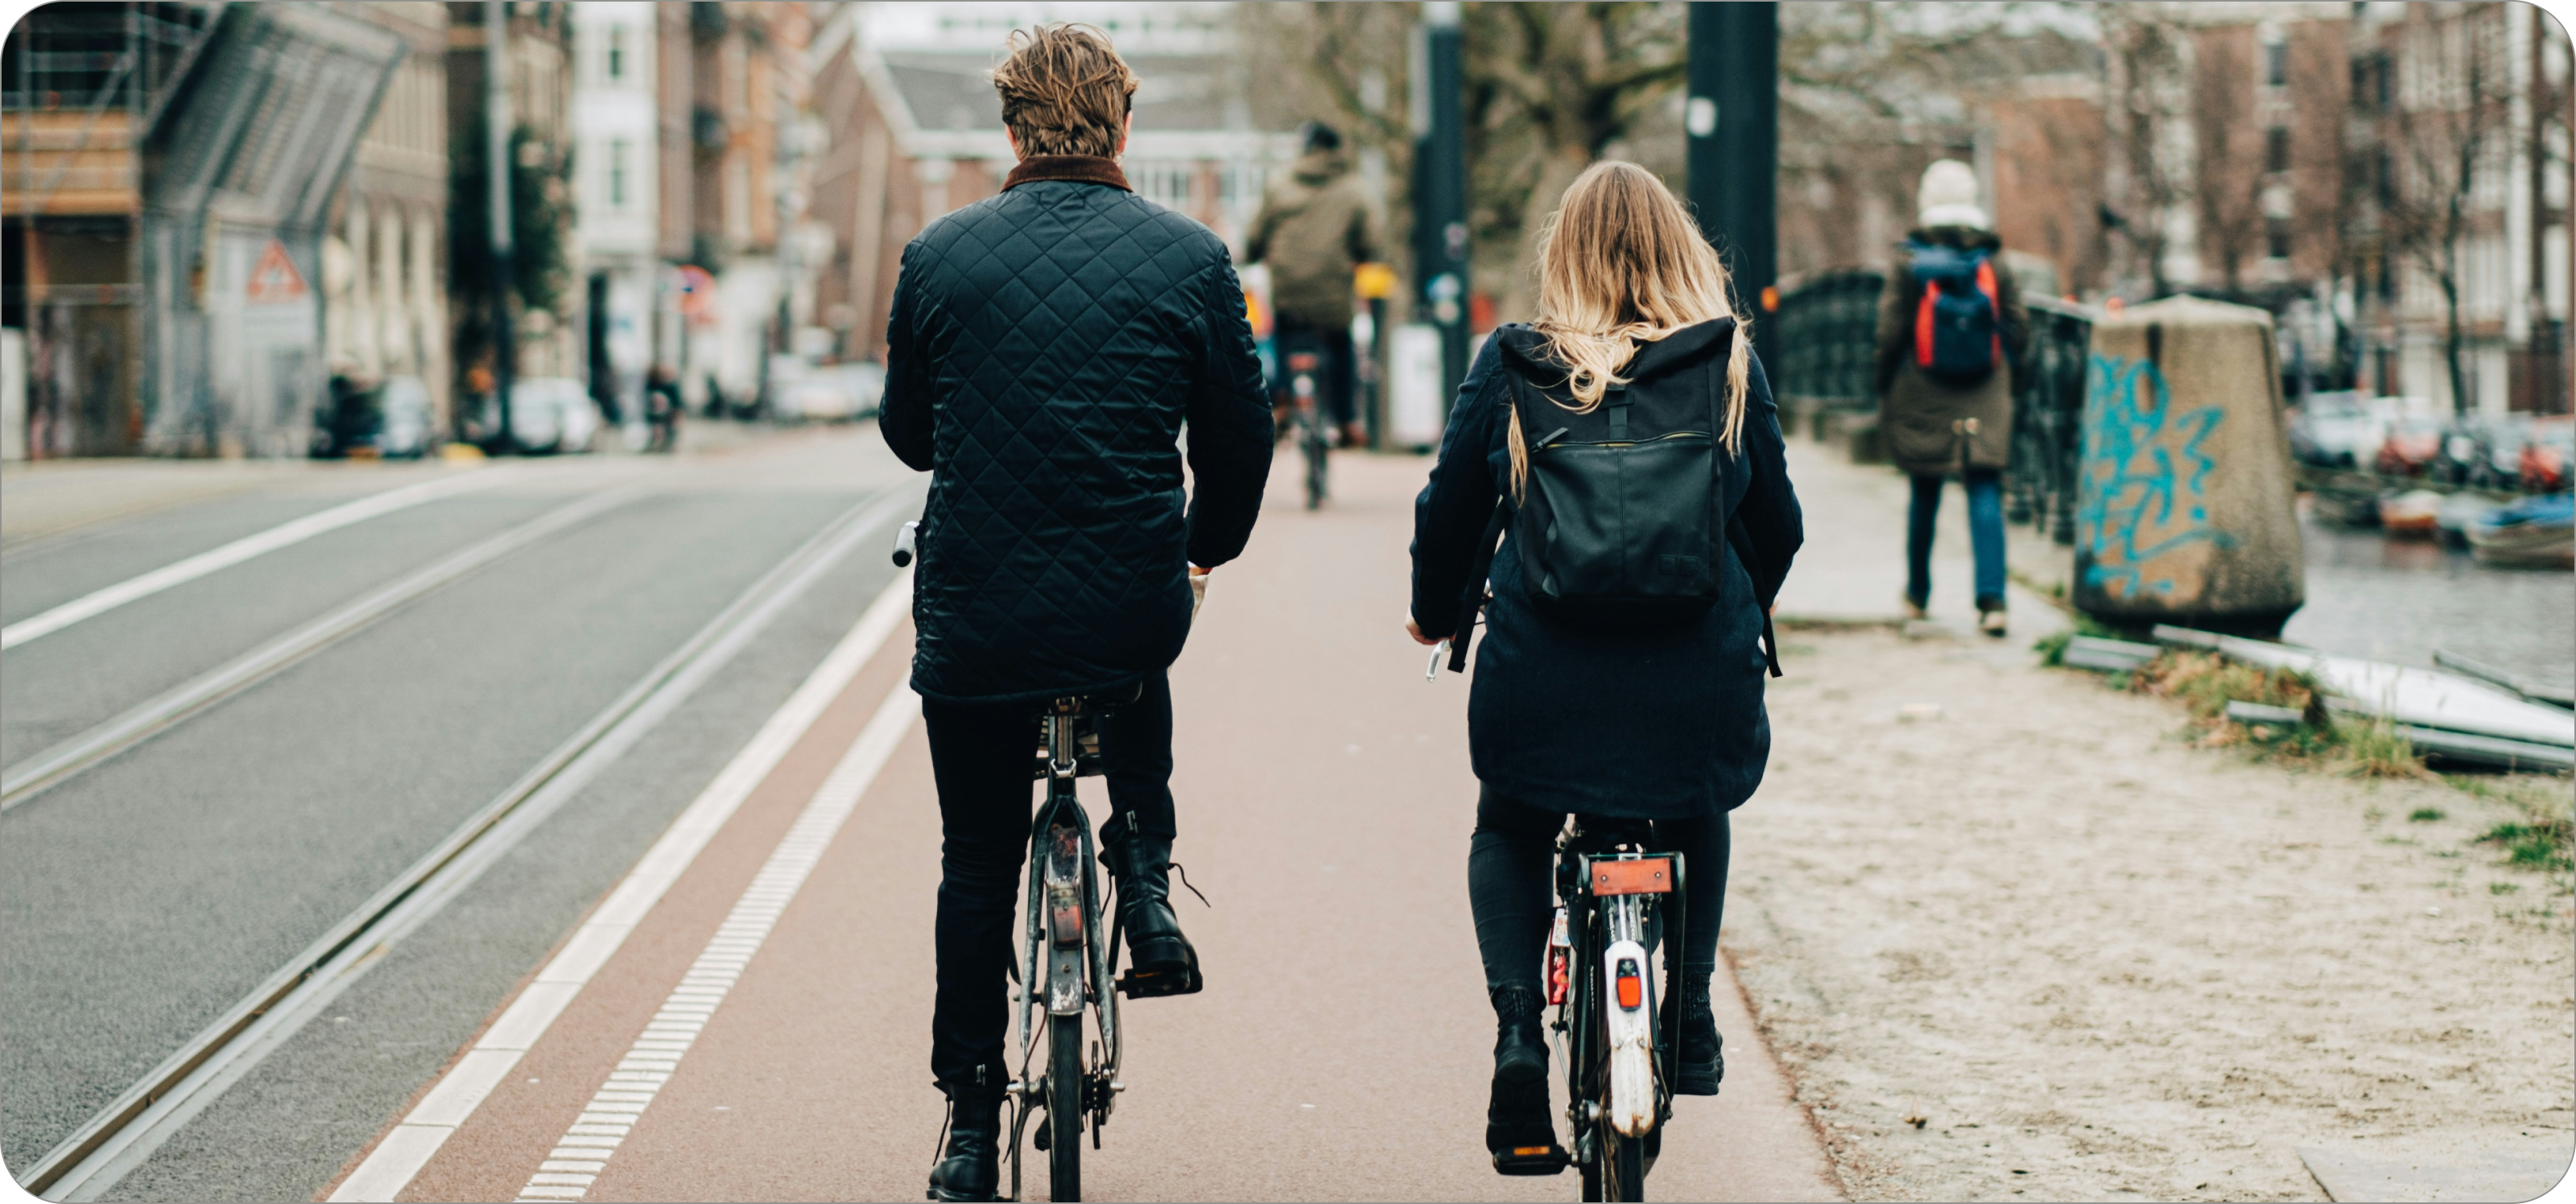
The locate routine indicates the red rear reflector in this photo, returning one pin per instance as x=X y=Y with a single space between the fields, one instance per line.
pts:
x=1631 y=993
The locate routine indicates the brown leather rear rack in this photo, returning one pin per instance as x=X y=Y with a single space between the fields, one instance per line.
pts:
x=1646 y=876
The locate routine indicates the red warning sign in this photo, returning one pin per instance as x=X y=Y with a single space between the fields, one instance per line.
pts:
x=275 y=279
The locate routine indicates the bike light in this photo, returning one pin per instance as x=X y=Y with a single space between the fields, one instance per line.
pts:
x=1632 y=991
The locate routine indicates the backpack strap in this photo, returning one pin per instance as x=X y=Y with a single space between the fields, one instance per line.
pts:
x=1742 y=541
x=1473 y=602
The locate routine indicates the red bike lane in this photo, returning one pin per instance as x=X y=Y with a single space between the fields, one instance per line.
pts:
x=763 y=1033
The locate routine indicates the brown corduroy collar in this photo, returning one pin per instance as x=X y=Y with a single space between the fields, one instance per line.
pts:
x=1082 y=169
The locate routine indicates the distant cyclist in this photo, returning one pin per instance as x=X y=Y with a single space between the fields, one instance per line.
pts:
x=1045 y=347
x=1315 y=228
x=1609 y=694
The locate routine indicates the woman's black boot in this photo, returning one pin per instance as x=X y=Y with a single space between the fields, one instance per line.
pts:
x=1518 y=1130
x=971 y=1167
x=1703 y=1061
x=1160 y=960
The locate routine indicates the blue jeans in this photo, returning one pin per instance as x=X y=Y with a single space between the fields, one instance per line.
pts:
x=1985 y=534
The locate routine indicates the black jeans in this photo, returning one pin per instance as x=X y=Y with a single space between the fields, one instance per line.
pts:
x=1511 y=886
x=1337 y=382
x=982 y=756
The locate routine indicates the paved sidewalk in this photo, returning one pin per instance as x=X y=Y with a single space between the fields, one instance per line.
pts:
x=1340 y=1051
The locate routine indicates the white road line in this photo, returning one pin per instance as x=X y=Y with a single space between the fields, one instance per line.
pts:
x=409 y=1146
x=248 y=546
x=619 y=1103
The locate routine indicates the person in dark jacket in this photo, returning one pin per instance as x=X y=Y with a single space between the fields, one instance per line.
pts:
x=1664 y=724
x=1933 y=429
x=1045 y=347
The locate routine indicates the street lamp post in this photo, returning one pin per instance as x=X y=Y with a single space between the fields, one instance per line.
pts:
x=496 y=117
x=1440 y=190
x=1733 y=119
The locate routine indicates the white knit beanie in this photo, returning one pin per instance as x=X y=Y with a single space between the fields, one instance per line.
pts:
x=1948 y=196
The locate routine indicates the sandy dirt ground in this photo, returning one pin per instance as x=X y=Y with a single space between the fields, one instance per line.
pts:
x=2039 y=946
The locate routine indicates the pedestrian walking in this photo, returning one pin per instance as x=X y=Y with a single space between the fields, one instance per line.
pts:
x=1314 y=230
x=662 y=407
x=1951 y=328
x=1599 y=692
x=1046 y=345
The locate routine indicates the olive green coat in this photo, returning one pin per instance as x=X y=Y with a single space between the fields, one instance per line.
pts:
x=1928 y=426
x=1314 y=228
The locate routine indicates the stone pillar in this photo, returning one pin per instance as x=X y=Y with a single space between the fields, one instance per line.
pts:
x=2185 y=510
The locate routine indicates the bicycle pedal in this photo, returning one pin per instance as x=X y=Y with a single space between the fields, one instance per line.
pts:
x=1158 y=984
x=1532 y=1160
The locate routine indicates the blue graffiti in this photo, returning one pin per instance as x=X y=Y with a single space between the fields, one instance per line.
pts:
x=2130 y=449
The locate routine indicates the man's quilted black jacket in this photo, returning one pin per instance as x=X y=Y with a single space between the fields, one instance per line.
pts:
x=1045 y=347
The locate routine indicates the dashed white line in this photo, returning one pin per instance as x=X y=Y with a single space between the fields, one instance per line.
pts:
x=583 y=1151
x=260 y=544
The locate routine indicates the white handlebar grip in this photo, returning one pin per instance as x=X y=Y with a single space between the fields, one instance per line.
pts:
x=904 y=548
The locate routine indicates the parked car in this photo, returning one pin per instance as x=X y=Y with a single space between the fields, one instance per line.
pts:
x=833 y=393
x=548 y=414
x=406 y=421
x=2413 y=443
x=2336 y=430
x=2547 y=456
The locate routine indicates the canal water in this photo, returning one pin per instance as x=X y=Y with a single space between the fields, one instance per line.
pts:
x=2400 y=600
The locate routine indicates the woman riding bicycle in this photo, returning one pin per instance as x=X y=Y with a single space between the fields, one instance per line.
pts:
x=1608 y=719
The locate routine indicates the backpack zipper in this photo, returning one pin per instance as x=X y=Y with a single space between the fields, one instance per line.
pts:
x=1549 y=442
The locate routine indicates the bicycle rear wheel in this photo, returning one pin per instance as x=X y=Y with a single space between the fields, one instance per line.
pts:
x=1064 y=1107
x=1317 y=453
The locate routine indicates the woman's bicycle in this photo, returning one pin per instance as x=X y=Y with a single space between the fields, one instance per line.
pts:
x=1065 y=964
x=1617 y=1044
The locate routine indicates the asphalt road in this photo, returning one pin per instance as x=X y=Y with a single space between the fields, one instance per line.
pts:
x=140 y=899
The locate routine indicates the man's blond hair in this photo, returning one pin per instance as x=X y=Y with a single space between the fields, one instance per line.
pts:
x=1065 y=91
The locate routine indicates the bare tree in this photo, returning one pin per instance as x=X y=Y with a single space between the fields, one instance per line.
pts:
x=2147 y=62
x=2447 y=140
x=2228 y=150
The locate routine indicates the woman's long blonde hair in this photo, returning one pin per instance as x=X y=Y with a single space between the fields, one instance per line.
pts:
x=1621 y=263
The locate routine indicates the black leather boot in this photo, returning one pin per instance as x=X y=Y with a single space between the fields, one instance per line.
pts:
x=1519 y=1133
x=1703 y=1057
x=971 y=1168
x=1160 y=960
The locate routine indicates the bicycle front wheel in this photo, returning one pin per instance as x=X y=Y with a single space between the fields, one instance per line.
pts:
x=1064 y=1107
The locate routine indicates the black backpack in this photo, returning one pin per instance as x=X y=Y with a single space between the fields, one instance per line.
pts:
x=1617 y=524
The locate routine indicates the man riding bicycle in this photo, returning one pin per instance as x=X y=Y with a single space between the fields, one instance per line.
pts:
x=1045 y=347
x=1314 y=229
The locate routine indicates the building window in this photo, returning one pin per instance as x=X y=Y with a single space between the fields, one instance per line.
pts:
x=2276 y=148
x=2276 y=64
x=2276 y=237
x=617 y=153
x=616 y=53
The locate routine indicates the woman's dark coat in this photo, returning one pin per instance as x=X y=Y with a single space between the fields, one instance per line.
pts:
x=1045 y=347
x=1660 y=725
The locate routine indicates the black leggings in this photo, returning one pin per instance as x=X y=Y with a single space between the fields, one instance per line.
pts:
x=1511 y=886
x=982 y=756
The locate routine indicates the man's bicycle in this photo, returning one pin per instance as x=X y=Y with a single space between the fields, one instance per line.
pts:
x=1065 y=964
x=1314 y=432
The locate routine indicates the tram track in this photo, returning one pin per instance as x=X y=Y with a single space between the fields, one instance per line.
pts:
x=61 y=762
x=124 y=1133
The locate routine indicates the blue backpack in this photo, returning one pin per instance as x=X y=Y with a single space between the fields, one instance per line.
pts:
x=1958 y=338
